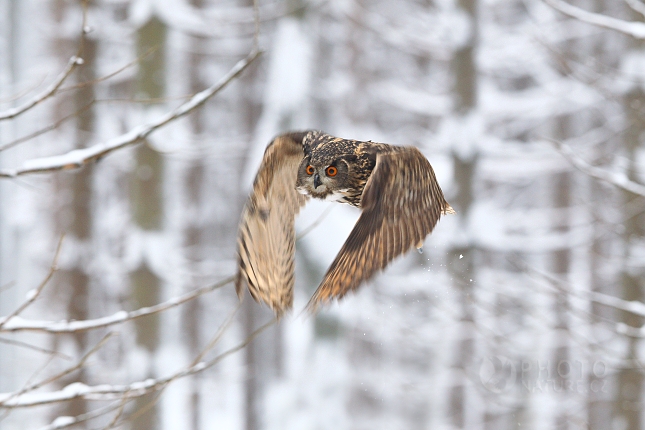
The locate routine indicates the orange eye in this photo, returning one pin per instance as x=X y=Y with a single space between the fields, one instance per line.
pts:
x=331 y=171
x=310 y=170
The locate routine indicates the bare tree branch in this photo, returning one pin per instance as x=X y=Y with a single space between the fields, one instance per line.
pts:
x=47 y=93
x=34 y=348
x=316 y=223
x=56 y=124
x=631 y=28
x=80 y=157
x=109 y=75
x=632 y=306
x=33 y=294
x=111 y=392
x=141 y=410
x=20 y=324
x=31 y=394
x=118 y=414
x=44 y=130
x=74 y=368
x=58 y=376
x=618 y=179
x=220 y=332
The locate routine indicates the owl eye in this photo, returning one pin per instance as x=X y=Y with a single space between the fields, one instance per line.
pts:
x=310 y=170
x=331 y=171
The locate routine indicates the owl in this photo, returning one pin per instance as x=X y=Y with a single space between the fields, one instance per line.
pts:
x=394 y=186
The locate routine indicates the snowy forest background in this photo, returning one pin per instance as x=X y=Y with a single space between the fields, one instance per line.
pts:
x=129 y=136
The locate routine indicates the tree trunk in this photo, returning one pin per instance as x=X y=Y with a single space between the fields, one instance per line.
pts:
x=146 y=199
x=561 y=365
x=629 y=397
x=192 y=313
x=75 y=217
x=461 y=258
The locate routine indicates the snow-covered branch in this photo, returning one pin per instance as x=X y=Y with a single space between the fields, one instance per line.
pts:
x=47 y=93
x=634 y=29
x=618 y=179
x=20 y=324
x=80 y=157
x=632 y=306
x=111 y=392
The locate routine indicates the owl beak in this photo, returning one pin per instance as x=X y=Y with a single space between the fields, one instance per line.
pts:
x=317 y=181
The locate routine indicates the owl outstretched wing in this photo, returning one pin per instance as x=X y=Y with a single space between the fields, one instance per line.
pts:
x=266 y=235
x=401 y=204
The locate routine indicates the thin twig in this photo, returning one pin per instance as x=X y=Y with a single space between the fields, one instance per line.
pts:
x=110 y=75
x=49 y=91
x=634 y=307
x=145 y=408
x=22 y=93
x=44 y=130
x=618 y=179
x=218 y=335
x=33 y=376
x=80 y=157
x=33 y=294
x=34 y=348
x=118 y=414
x=52 y=89
x=632 y=28
x=315 y=224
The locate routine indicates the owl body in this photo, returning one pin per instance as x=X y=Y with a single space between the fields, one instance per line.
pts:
x=394 y=186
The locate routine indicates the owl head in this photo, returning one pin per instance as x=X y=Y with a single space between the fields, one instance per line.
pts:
x=323 y=178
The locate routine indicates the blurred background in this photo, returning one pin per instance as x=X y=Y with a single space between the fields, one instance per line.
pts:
x=525 y=309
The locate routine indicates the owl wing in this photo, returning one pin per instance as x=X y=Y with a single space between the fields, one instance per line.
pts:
x=401 y=203
x=266 y=235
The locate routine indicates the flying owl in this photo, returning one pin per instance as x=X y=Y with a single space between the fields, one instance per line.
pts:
x=394 y=186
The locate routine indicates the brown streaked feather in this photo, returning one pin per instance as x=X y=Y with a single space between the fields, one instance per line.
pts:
x=266 y=236
x=401 y=203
